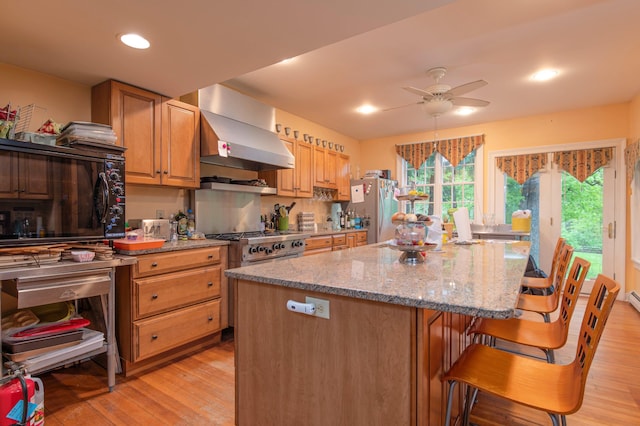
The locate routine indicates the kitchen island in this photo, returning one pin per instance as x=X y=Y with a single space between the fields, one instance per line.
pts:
x=392 y=329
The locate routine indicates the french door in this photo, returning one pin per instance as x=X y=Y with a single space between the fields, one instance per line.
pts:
x=589 y=215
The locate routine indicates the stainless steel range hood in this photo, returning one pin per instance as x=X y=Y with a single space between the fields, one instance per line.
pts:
x=235 y=132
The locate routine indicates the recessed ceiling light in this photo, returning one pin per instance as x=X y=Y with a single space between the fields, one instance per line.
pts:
x=366 y=109
x=287 y=61
x=465 y=111
x=544 y=75
x=134 y=40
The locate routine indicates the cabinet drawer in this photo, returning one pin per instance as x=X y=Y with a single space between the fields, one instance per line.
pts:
x=317 y=251
x=37 y=291
x=361 y=237
x=318 y=242
x=175 y=261
x=160 y=333
x=339 y=240
x=169 y=291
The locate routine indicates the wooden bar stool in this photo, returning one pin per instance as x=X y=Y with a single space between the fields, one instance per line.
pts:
x=545 y=284
x=556 y=389
x=546 y=304
x=544 y=335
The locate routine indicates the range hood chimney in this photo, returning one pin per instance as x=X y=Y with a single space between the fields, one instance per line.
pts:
x=236 y=132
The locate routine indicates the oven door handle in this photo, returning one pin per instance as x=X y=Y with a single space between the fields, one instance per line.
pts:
x=101 y=197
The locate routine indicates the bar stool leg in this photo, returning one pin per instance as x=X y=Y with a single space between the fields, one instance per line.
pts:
x=452 y=386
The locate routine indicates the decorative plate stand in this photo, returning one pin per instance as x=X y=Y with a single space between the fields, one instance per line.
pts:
x=411 y=236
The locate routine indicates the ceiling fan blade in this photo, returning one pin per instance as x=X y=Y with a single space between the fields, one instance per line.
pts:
x=402 y=106
x=466 y=88
x=418 y=92
x=458 y=101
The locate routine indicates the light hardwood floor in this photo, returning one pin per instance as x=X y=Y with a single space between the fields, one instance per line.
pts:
x=199 y=390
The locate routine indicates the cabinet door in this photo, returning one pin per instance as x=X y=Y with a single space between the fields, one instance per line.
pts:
x=304 y=170
x=343 y=178
x=286 y=177
x=330 y=167
x=134 y=114
x=8 y=175
x=319 y=167
x=180 y=149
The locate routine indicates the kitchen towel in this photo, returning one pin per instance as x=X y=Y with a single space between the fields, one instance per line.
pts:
x=463 y=225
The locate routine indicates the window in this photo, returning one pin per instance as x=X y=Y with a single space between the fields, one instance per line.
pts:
x=448 y=187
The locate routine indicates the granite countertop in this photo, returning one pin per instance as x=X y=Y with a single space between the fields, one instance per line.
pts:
x=481 y=279
x=176 y=246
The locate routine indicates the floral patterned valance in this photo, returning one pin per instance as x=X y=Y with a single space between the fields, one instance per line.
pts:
x=584 y=162
x=522 y=167
x=631 y=157
x=454 y=150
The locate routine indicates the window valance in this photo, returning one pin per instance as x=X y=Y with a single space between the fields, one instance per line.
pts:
x=454 y=150
x=584 y=162
x=522 y=167
x=631 y=157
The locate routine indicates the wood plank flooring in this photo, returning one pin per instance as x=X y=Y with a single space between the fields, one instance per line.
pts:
x=199 y=390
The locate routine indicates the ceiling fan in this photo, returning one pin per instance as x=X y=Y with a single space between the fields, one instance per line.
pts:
x=440 y=98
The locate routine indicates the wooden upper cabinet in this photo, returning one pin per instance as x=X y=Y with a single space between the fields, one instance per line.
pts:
x=319 y=166
x=161 y=135
x=304 y=170
x=296 y=182
x=343 y=178
x=331 y=169
x=180 y=153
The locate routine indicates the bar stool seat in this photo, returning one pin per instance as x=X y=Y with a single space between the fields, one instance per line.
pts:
x=545 y=284
x=547 y=304
x=546 y=336
x=556 y=389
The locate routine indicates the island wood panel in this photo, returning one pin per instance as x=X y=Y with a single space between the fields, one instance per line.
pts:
x=358 y=367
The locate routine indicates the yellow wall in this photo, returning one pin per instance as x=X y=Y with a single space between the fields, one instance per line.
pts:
x=352 y=146
x=633 y=275
x=63 y=100
x=605 y=122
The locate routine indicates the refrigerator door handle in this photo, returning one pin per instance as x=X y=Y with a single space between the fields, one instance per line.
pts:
x=381 y=209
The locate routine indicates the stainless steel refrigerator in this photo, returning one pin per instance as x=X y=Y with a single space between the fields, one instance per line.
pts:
x=373 y=197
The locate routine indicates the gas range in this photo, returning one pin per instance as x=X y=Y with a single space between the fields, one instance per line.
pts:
x=254 y=246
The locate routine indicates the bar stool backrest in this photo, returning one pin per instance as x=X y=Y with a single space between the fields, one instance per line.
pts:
x=603 y=295
x=572 y=288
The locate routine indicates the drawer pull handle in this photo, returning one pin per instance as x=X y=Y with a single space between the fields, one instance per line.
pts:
x=154 y=336
x=210 y=256
x=209 y=284
x=154 y=296
x=210 y=318
x=154 y=264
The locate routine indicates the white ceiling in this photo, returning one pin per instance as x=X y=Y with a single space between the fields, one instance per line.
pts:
x=348 y=52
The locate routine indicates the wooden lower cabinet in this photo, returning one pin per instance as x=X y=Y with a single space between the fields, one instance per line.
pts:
x=333 y=242
x=339 y=242
x=170 y=304
x=319 y=244
x=369 y=363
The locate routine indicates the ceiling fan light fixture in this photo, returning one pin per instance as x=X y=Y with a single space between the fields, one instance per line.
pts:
x=545 y=75
x=465 y=111
x=437 y=107
x=134 y=40
x=366 y=109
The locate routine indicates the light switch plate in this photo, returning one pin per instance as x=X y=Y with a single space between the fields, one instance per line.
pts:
x=322 y=306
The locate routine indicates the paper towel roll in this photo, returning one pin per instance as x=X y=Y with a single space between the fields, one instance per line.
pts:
x=463 y=225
